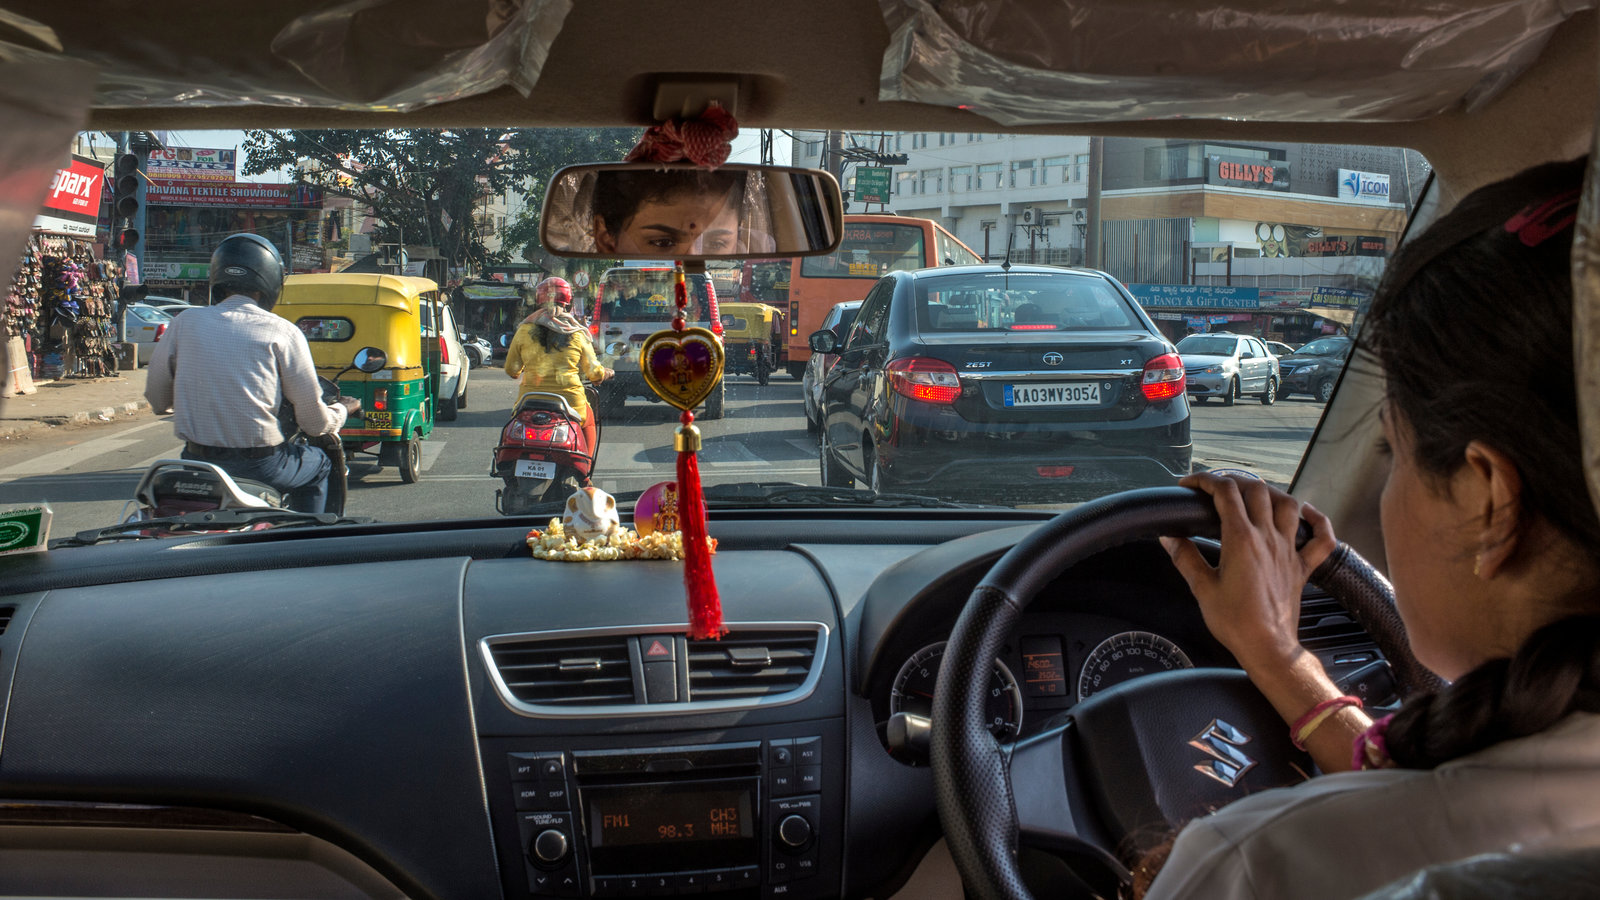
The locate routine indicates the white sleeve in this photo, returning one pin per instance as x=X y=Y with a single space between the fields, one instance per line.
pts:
x=300 y=387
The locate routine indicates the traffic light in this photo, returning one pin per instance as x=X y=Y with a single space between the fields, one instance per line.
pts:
x=127 y=193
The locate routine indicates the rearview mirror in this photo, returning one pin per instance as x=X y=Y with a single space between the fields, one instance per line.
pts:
x=370 y=359
x=823 y=341
x=656 y=211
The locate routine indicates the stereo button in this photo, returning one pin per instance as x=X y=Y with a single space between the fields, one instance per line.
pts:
x=808 y=779
x=541 y=795
x=718 y=880
x=549 y=848
x=693 y=882
x=808 y=751
x=795 y=831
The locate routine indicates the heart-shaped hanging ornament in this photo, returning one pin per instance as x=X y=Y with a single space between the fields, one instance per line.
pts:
x=682 y=367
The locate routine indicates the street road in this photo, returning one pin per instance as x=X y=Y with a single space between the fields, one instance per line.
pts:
x=87 y=473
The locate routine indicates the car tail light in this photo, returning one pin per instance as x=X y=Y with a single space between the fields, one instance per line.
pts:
x=380 y=399
x=1164 y=378
x=444 y=350
x=160 y=330
x=1034 y=326
x=1055 y=471
x=928 y=380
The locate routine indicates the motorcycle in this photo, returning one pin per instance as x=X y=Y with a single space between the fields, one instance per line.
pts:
x=543 y=455
x=188 y=496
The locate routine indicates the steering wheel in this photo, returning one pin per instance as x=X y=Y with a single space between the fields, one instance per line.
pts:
x=1143 y=757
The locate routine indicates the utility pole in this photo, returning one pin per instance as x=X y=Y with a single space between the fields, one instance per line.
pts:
x=1092 y=236
x=833 y=155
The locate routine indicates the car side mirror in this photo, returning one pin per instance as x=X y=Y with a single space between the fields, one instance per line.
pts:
x=370 y=359
x=1247 y=355
x=823 y=341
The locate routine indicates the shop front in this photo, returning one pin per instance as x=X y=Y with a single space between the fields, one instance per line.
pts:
x=187 y=219
x=1293 y=316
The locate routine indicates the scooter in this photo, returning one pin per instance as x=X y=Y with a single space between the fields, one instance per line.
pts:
x=188 y=489
x=543 y=455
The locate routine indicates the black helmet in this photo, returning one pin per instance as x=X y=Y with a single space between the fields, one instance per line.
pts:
x=246 y=263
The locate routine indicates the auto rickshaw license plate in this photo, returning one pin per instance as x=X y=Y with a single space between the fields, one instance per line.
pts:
x=378 y=419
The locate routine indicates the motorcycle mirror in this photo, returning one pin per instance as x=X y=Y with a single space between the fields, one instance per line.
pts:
x=661 y=211
x=370 y=359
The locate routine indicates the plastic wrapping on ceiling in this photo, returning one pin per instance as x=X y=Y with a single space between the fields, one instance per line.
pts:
x=43 y=103
x=361 y=54
x=1027 y=62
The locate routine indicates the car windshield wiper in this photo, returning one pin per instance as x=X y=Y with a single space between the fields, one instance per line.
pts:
x=205 y=521
x=782 y=493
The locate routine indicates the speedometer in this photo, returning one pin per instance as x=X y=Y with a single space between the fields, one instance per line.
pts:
x=1126 y=656
x=913 y=691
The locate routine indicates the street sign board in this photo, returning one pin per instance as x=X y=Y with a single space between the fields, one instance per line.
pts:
x=872 y=184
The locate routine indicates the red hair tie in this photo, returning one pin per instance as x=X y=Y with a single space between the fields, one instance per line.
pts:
x=1539 y=222
x=705 y=141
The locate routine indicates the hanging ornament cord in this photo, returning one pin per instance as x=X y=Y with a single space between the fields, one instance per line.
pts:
x=705 y=606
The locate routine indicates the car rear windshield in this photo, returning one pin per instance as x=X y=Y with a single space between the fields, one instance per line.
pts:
x=1206 y=345
x=870 y=250
x=1020 y=301
x=1329 y=347
x=646 y=295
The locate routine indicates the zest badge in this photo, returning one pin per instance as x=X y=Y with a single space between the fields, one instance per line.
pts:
x=682 y=367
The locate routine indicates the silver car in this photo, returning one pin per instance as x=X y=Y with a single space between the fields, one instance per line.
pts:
x=838 y=321
x=1228 y=366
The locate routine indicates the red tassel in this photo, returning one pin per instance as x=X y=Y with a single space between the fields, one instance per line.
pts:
x=713 y=312
x=705 y=606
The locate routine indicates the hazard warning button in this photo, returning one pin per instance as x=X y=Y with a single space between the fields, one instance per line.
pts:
x=657 y=648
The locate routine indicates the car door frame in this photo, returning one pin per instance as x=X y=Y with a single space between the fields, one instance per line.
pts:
x=1250 y=371
x=848 y=385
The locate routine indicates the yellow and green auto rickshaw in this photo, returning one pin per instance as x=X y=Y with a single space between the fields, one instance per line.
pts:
x=344 y=311
x=752 y=334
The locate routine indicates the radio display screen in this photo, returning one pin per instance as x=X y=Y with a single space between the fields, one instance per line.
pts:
x=678 y=826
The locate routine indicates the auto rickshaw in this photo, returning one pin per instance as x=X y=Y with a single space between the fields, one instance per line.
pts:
x=752 y=335
x=344 y=311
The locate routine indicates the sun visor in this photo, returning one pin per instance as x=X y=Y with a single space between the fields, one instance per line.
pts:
x=43 y=103
x=1027 y=63
x=370 y=55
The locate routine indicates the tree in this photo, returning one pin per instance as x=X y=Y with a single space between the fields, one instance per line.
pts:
x=423 y=184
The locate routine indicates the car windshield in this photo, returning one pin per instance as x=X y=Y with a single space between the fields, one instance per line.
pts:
x=1008 y=349
x=641 y=294
x=1325 y=348
x=1000 y=301
x=1204 y=345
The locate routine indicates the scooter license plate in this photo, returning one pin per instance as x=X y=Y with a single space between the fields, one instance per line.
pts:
x=376 y=419
x=534 y=468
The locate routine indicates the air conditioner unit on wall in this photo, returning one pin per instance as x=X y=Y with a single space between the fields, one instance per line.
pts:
x=1080 y=217
x=1032 y=216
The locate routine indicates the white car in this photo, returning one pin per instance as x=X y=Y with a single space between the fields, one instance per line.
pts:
x=143 y=325
x=454 y=365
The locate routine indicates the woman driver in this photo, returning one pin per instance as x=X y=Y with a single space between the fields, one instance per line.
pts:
x=551 y=352
x=1494 y=548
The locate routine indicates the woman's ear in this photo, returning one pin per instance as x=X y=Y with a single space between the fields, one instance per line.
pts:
x=604 y=241
x=1494 y=491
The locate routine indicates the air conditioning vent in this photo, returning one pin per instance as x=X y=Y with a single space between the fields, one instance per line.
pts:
x=6 y=612
x=751 y=664
x=574 y=671
x=1325 y=625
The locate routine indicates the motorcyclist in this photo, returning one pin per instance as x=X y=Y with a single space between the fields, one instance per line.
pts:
x=551 y=352
x=225 y=370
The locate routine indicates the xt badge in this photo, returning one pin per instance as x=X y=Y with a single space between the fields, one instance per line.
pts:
x=1221 y=741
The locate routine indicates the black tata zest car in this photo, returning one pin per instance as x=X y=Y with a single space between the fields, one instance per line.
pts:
x=986 y=381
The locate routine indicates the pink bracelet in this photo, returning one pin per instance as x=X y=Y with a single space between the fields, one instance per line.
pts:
x=1301 y=730
x=1372 y=746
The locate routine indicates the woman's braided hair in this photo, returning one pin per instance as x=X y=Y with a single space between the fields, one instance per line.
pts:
x=1491 y=281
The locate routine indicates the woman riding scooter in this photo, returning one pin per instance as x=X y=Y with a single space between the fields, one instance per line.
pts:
x=551 y=352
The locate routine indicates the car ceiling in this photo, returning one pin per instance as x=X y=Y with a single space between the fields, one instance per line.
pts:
x=797 y=64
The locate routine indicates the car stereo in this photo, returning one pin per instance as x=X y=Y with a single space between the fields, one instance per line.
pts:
x=743 y=817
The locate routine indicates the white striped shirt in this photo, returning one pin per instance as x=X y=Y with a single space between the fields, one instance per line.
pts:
x=225 y=370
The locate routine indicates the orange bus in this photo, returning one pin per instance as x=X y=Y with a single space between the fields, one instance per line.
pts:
x=873 y=246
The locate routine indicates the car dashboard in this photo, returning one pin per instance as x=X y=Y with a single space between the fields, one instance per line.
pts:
x=425 y=711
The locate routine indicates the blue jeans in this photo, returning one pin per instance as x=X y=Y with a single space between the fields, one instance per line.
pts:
x=299 y=470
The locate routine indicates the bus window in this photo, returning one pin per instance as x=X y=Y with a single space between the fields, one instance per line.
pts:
x=951 y=251
x=870 y=250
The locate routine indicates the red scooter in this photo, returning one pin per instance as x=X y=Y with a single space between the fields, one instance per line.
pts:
x=543 y=455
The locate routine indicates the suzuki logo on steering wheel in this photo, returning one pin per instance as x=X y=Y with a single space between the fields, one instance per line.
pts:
x=1221 y=742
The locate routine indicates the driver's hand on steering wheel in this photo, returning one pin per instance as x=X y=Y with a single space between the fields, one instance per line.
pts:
x=1251 y=599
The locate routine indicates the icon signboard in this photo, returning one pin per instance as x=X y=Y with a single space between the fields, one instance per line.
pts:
x=872 y=185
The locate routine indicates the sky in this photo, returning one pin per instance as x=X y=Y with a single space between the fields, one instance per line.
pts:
x=746 y=148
